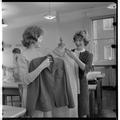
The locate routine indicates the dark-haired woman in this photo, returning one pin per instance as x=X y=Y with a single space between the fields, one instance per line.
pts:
x=31 y=37
x=84 y=60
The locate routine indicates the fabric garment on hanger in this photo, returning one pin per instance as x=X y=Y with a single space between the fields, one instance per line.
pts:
x=51 y=88
x=72 y=73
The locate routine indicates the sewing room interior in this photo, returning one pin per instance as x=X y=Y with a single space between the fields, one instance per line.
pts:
x=59 y=60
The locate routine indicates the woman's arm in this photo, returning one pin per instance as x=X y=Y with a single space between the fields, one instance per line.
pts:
x=24 y=75
x=79 y=62
x=84 y=66
x=76 y=59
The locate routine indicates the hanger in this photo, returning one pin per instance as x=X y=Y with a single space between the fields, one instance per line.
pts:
x=61 y=44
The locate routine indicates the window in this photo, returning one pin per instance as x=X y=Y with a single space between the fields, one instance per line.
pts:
x=108 y=24
x=103 y=38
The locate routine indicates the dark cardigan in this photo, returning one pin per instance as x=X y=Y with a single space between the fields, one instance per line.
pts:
x=51 y=87
x=83 y=98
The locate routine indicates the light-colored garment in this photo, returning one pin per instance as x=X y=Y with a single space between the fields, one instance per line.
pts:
x=77 y=53
x=23 y=64
x=76 y=68
x=70 y=69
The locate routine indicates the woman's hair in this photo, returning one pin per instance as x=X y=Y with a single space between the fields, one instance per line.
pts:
x=16 y=50
x=81 y=34
x=31 y=35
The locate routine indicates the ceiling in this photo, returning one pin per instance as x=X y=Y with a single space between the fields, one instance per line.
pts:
x=18 y=14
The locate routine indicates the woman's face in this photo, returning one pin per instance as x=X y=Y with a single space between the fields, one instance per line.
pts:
x=39 y=41
x=79 y=42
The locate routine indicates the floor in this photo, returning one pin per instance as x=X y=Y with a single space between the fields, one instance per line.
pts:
x=108 y=103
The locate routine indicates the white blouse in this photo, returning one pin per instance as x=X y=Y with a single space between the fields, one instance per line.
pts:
x=23 y=65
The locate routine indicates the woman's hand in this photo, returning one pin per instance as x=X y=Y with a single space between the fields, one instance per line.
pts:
x=45 y=63
x=76 y=59
x=69 y=53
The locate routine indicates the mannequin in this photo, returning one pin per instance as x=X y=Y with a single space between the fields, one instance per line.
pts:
x=60 y=49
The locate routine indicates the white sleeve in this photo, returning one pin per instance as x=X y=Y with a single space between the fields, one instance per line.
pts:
x=22 y=69
x=24 y=75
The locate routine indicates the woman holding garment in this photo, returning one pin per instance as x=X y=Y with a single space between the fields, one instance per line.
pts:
x=84 y=60
x=31 y=37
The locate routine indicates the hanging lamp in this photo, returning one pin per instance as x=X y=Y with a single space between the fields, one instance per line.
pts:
x=50 y=15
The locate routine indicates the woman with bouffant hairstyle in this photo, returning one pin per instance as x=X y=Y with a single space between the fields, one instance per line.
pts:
x=31 y=41
x=84 y=59
x=31 y=35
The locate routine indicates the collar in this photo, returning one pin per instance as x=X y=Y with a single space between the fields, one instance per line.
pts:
x=80 y=51
x=52 y=63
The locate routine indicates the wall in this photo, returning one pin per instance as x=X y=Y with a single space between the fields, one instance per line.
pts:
x=10 y=36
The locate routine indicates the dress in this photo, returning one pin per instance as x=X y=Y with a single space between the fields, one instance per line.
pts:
x=83 y=98
x=71 y=68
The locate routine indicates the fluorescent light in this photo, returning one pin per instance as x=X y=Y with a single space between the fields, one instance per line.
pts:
x=49 y=17
x=112 y=6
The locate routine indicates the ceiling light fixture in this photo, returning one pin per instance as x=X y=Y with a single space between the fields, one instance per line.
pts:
x=112 y=6
x=4 y=24
x=50 y=16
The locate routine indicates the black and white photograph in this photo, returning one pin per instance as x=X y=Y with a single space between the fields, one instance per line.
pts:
x=59 y=60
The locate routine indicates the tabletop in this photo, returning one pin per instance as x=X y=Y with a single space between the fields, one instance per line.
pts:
x=12 y=111
x=9 y=85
